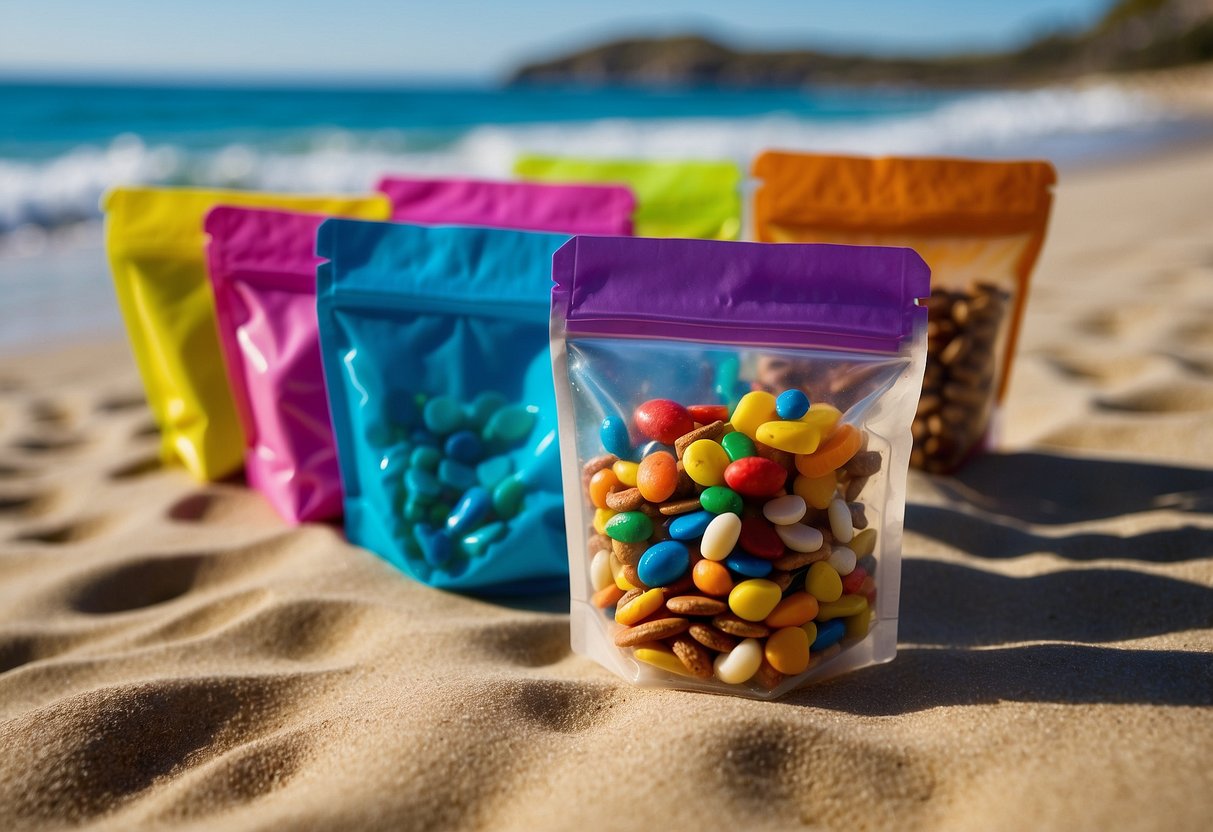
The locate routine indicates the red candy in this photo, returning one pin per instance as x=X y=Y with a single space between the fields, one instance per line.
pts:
x=705 y=414
x=753 y=476
x=758 y=537
x=663 y=420
x=851 y=583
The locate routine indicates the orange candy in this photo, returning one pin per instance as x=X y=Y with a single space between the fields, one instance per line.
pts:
x=832 y=454
x=712 y=578
x=602 y=484
x=657 y=477
x=793 y=611
x=608 y=596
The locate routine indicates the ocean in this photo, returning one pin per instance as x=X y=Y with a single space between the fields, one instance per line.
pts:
x=62 y=145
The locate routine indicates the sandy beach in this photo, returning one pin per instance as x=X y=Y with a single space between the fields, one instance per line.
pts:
x=172 y=655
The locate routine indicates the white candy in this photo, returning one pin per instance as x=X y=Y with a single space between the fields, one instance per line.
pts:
x=842 y=559
x=840 y=520
x=720 y=537
x=800 y=538
x=600 y=570
x=786 y=510
x=739 y=664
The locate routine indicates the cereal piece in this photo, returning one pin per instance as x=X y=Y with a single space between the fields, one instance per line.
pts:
x=663 y=563
x=739 y=664
x=694 y=658
x=663 y=420
x=734 y=626
x=713 y=432
x=854 y=488
x=639 y=608
x=785 y=510
x=712 y=578
x=631 y=576
x=796 y=560
x=654 y=630
x=657 y=477
x=624 y=499
x=863 y=464
x=788 y=650
x=705 y=462
x=675 y=508
x=781 y=578
x=823 y=582
x=753 y=600
x=783 y=459
x=793 y=611
x=695 y=605
x=720 y=537
x=630 y=595
x=767 y=676
x=711 y=638
x=832 y=454
x=859 y=516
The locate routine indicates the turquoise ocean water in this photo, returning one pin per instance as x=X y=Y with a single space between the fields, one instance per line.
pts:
x=62 y=145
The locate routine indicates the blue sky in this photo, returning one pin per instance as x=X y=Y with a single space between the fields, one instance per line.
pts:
x=469 y=39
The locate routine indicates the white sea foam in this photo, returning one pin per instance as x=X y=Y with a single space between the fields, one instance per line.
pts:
x=66 y=189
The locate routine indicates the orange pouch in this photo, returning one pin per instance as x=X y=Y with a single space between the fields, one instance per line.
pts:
x=979 y=226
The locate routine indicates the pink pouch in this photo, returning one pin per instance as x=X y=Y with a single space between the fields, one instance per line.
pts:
x=604 y=210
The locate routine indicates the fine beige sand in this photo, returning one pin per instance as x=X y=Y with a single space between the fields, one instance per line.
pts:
x=174 y=656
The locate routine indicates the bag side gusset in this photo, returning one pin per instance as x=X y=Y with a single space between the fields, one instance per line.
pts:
x=262 y=267
x=526 y=206
x=154 y=241
x=426 y=283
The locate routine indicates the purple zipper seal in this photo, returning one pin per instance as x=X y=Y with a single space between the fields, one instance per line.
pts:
x=756 y=294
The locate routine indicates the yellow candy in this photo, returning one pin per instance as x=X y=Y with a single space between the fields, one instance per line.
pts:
x=601 y=516
x=754 y=600
x=822 y=416
x=793 y=437
x=640 y=608
x=626 y=472
x=858 y=625
x=863 y=543
x=844 y=607
x=753 y=409
x=816 y=491
x=788 y=650
x=823 y=583
x=662 y=658
x=810 y=630
x=705 y=461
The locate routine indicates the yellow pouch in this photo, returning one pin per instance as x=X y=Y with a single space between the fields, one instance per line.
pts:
x=155 y=241
x=699 y=199
x=978 y=225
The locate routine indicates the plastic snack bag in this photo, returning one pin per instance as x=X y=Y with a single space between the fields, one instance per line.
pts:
x=154 y=239
x=524 y=206
x=980 y=227
x=723 y=537
x=263 y=268
x=435 y=350
x=673 y=198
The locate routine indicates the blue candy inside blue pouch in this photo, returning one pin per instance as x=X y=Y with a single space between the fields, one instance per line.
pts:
x=435 y=351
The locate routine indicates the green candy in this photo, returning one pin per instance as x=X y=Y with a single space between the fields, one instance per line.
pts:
x=507 y=497
x=509 y=425
x=483 y=407
x=719 y=500
x=738 y=446
x=630 y=527
x=493 y=470
x=438 y=513
x=476 y=543
x=425 y=458
x=442 y=415
x=416 y=508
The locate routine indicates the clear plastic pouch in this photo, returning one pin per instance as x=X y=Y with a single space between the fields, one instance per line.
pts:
x=980 y=227
x=435 y=350
x=524 y=206
x=683 y=198
x=713 y=515
x=154 y=239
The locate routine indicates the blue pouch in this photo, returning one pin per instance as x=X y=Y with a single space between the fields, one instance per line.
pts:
x=435 y=351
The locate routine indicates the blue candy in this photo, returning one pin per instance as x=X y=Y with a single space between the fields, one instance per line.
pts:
x=425 y=458
x=829 y=633
x=436 y=547
x=455 y=474
x=443 y=415
x=614 y=436
x=747 y=565
x=510 y=424
x=475 y=543
x=690 y=526
x=422 y=483
x=463 y=446
x=663 y=563
x=493 y=470
x=791 y=404
x=483 y=406
x=468 y=513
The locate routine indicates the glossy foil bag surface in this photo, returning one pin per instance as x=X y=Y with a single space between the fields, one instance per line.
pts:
x=979 y=225
x=154 y=239
x=771 y=557
x=435 y=351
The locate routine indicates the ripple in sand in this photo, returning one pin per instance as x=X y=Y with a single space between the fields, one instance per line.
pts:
x=1175 y=397
x=121 y=402
x=134 y=586
x=66 y=533
x=141 y=466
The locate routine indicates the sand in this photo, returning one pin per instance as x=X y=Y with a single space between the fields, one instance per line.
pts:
x=173 y=656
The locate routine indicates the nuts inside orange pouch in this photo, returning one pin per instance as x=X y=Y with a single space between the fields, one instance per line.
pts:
x=980 y=227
